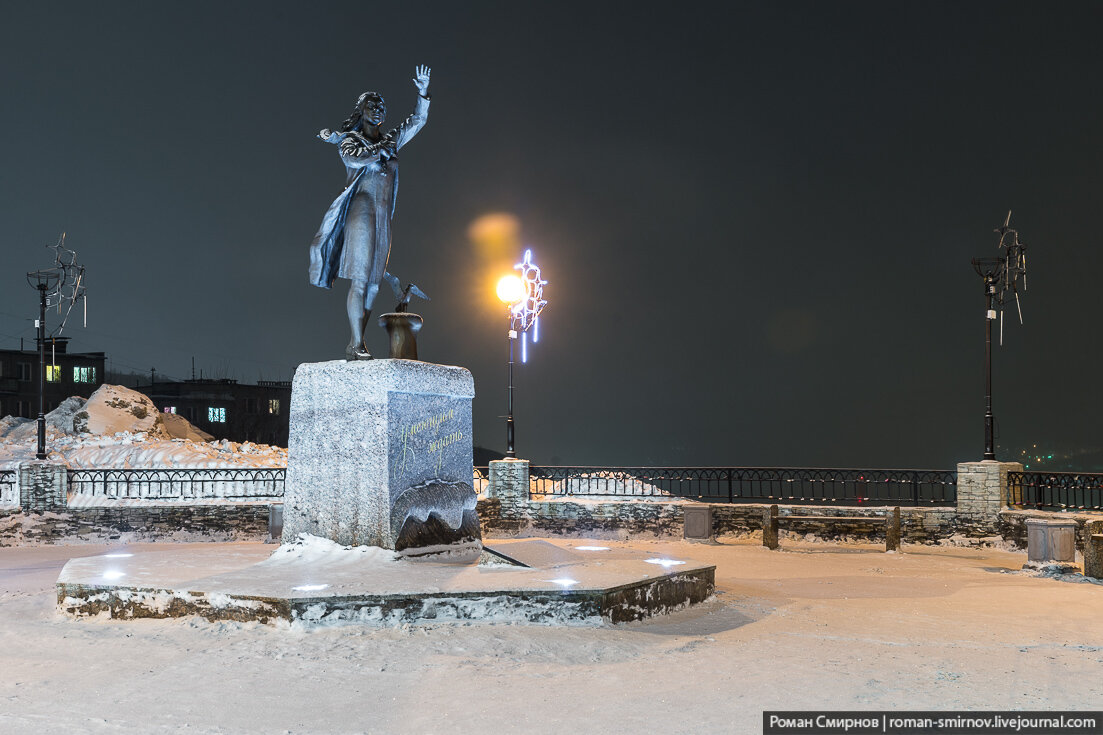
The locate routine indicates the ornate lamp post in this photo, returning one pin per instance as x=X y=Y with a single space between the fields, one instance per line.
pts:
x=64 y=282
x=523 y=296
x=1001 y=275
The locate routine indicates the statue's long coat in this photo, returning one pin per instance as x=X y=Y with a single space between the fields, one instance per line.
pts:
x=371 y=178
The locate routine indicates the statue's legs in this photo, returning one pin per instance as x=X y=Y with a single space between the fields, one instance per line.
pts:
x=356 y=265
x=358 y=318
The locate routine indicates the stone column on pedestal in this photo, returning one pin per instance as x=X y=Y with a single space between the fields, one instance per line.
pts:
x=982 y=492
x=380 y=455
x=509 y=483
x=43 y=486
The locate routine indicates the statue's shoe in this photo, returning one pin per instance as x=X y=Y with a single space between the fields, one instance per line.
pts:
x=357 y=352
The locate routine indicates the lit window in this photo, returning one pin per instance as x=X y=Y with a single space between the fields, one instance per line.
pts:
x=216 y=415
x=170 y=409
x=84 y=375
x=53 y=373
x=274 y=405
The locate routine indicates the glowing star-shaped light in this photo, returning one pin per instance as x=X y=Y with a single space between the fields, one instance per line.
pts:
x=525 y=314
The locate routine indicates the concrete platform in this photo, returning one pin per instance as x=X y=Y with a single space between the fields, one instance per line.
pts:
x=321 y=583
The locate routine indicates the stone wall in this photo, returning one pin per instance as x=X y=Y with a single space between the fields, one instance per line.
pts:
x=566 y=517
x=508 y=509
x=237 y=522
x=1013 y=524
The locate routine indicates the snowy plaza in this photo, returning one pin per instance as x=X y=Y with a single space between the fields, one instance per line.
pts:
x=814 y=625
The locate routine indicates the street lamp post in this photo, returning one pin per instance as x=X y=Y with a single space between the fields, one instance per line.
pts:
x=511 y=290
x=1002 y=277
x=41 y=453
x=523 y=297
x=61 y=283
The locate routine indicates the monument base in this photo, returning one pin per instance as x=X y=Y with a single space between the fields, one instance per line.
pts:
x=319 y=583
x=380 y=455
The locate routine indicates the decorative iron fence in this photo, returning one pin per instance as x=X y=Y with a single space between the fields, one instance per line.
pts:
x=1055 y=490
x=480 y=478
x=792 y=485
x=8 y=495
x=178 y=484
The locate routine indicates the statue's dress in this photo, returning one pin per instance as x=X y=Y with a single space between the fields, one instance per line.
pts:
x=354 y=239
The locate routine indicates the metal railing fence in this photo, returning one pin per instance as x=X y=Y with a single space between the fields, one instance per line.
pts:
x=8 y=495
x=1055 y=490
x=792 y=485
x=178 y=484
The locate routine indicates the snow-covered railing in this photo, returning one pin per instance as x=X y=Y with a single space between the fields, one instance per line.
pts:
x=8 y=494
x=187 y=485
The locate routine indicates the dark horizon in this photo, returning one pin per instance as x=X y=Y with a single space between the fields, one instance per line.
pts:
x=756 y=222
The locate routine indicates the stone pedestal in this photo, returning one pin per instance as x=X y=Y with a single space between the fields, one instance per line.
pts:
x=380 y=455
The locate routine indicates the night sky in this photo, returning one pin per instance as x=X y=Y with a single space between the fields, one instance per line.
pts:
x=757 y=222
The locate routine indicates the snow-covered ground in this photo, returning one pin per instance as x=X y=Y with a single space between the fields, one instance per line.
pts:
x=809 y=626
x=119 y=428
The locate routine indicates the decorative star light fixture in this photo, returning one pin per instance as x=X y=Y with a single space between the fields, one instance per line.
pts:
x=525 y=313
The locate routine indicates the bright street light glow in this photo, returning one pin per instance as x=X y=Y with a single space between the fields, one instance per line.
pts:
x=116 y=556
x=592 y=548
x=310 y=587
x=113 y=574
x=511 y=289
x=665 y=562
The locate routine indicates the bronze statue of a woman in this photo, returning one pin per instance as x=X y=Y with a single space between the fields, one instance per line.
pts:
x=354 y=240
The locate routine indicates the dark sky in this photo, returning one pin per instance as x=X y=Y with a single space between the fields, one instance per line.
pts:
x=756 y=222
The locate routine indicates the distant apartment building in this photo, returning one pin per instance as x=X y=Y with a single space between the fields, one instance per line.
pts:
x=67 y=374
x=226 y=409
x=223 y=408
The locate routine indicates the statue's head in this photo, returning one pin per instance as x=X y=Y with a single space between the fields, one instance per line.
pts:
x=372 y=108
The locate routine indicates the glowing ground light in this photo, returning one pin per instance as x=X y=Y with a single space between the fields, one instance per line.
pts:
x=525 y=314
x=310 y=587
x=113 y=574
x=665 y=563
x=116 y=556
x=592 y=548
x=563 y=581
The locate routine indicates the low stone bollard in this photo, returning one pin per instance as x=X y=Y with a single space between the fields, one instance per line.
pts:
x=1050 y=541
x=697 y=522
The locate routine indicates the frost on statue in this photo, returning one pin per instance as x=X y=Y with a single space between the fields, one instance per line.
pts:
x=380 y=455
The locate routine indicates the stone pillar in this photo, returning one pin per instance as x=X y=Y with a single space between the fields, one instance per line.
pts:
x=509 y=483
x=982 y=492
x=43 y=485
x=380 y=455
x=1093 y=549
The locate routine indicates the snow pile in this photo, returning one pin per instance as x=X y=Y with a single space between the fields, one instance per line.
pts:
x=315 y=549
x=119 y=428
